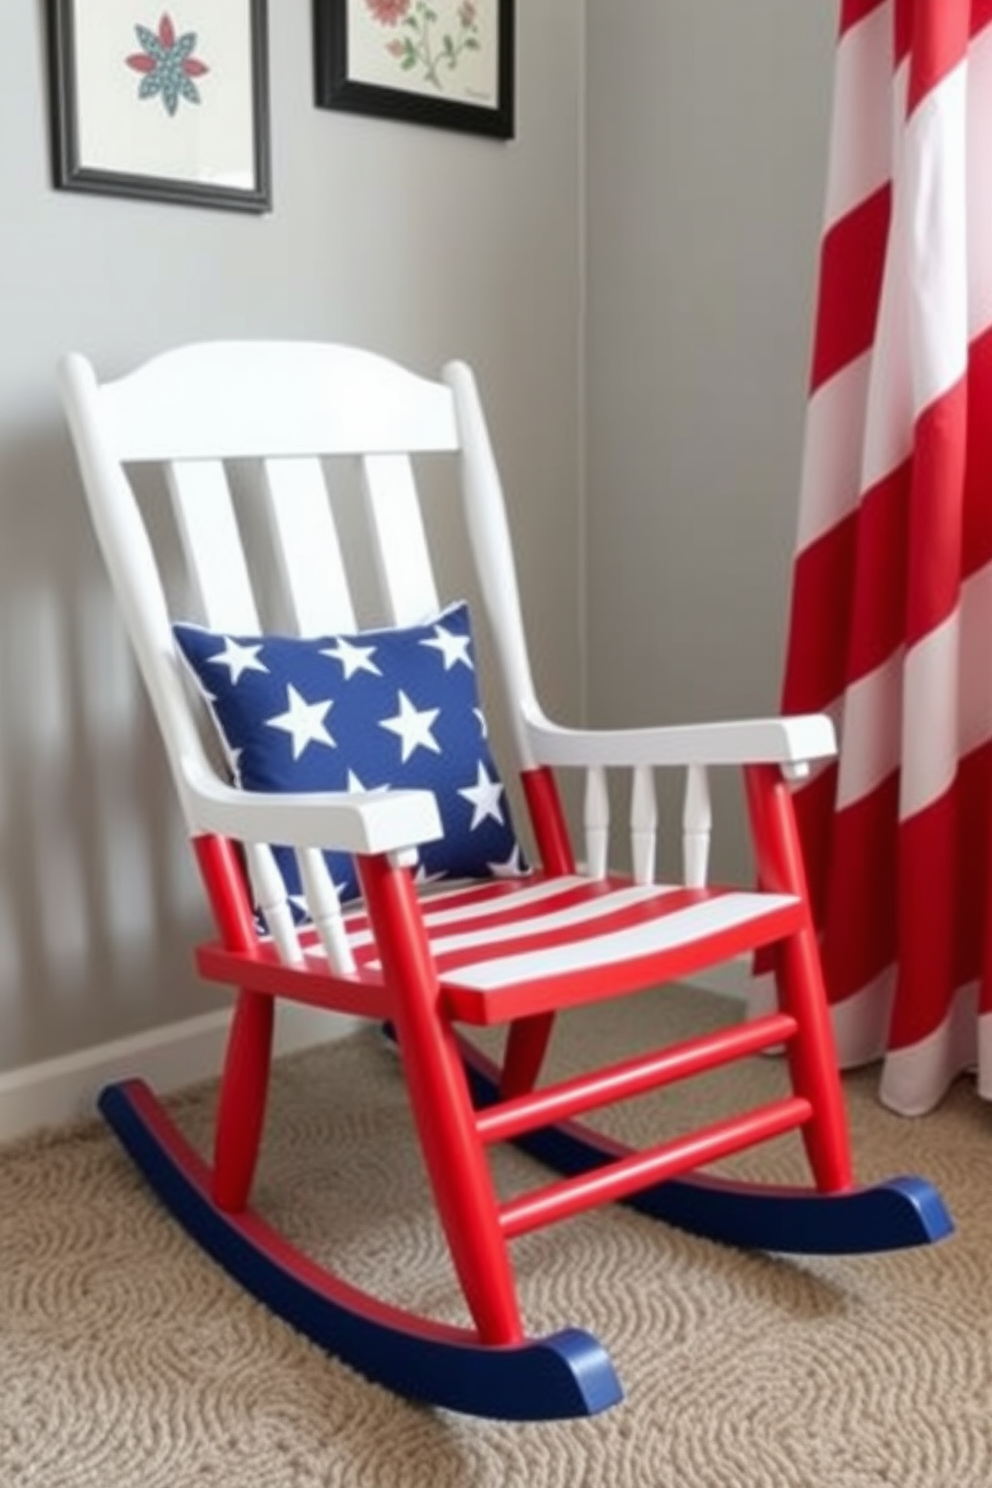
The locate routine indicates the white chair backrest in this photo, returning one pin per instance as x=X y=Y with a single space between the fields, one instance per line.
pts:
x=290 y=408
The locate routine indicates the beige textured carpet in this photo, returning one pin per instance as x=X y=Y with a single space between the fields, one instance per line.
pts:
x=128 y=1360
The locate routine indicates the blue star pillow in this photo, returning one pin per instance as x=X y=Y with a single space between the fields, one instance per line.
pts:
x=380 y=708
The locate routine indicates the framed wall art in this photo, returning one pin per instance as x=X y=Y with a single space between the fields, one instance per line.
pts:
x=443 y=62
x=166 y=99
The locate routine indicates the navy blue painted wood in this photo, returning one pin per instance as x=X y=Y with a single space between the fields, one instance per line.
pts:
x=564 y=1375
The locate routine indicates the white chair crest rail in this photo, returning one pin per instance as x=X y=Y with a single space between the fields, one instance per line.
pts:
x=453 y=929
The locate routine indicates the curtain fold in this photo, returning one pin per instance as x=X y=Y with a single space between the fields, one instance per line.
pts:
x=890 y=629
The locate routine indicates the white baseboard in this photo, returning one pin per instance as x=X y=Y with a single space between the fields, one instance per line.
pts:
x=63 y=1089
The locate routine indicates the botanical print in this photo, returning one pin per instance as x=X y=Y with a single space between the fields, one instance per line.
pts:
x=167 y=64
x=427 y=44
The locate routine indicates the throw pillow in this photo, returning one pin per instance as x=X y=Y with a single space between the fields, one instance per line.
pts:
x=374 y=710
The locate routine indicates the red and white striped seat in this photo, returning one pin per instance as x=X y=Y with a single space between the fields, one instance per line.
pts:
x=556 y=942
x=300 y=420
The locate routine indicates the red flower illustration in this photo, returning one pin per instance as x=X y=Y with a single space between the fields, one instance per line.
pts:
x=423 y=42
x=388 y=12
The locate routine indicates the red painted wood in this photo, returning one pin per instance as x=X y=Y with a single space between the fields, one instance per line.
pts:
x=528 y=1037
x=811 y=1054
x=526 y=1045
x=242 y=1101
x=245 y=1078
x=360 y=993
x=570 y=1196
x=633 y=1077
x=224 y=880
x=548 y=819
x=442 y=1106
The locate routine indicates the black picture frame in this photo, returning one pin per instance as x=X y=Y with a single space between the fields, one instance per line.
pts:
x=400 y=87
x=123 y=101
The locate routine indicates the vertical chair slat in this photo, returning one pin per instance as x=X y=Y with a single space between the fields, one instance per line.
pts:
x=325 y=909
x=211 y=540
x=697 y=824
x=596 y=822
x=269 y=893
x=400 y=542
x=306 y=547
x=643 y=825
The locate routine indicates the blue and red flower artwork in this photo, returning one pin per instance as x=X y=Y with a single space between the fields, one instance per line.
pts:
x=167 y=64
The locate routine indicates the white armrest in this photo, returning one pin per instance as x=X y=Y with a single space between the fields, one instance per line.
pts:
x=782 y=741
x=369 y=822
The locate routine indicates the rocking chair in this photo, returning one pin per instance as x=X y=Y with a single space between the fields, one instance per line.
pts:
x=359 y=854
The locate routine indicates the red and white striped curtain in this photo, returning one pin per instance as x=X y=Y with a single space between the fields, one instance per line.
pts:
x=891 y=621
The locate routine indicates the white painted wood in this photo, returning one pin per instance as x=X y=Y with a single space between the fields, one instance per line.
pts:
x=161 y=411
x=750 y=741
x=376 y=822
x=270 y=897
x=215 y=400
x=643 y=825
x=211 y=542
x=403 y=558
x=492 y=547
x=293 y=405
x=313 y=580
x=212 y=400
x=134 y=571
x=324 y=908
x=697 y=825
x=596 y=823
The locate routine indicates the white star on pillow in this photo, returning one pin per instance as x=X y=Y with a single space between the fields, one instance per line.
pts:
x=413 y=726
x=352 y=658
x=453 y=648
x=485 y=796
x=238 y=658
x=303 y=721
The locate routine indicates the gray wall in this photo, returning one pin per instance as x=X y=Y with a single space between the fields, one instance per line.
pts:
x=707 y=126
x=417 y=241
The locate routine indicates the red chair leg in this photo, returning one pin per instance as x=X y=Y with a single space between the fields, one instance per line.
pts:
x=245 y=1079
x=526 y=1045
x=528 y=1038
x=442 y=1106
x=813 y=1064
x=241 y=1108
x=811 y=1053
